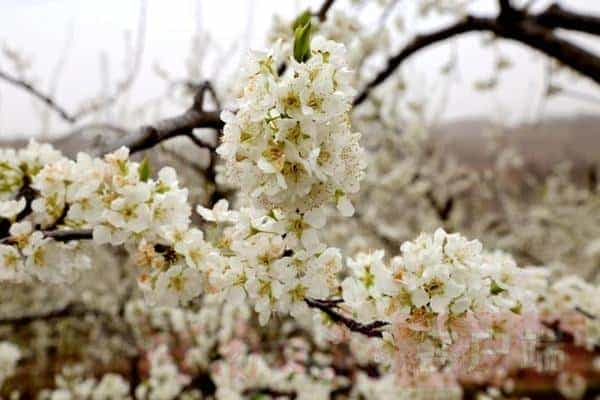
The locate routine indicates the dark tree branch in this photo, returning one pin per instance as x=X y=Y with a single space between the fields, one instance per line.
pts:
x=556 y=16
x=322 y=13
x=66 y=235
x=372 y=329
x=470 y=24
x=545 y=41
x=182 y=125
x=71 y=310
x=510 y=24
x=505 y=5
x=585 y=313
x=61 y=235
x=199 y=142
x=442 y=210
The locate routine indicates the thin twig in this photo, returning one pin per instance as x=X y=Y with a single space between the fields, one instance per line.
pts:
x=48 y=100
x=585 y=313
x=322 y=13
x=372 y=329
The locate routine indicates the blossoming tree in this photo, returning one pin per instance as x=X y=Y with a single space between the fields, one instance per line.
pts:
x=442 y=316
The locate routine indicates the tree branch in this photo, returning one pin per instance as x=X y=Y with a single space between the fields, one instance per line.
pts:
x=48 y=100
x=585 y=313
x=372 y=329
x=70 y=310
x=513 y=25
x=556 y=16
x=505 y=5
x=182 y=125
x=61 y=235
x=322 y=13
x=469 y=24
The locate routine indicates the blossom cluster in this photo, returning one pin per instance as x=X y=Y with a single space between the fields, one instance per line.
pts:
x=443 y=296
x=290 y=149
x=31 y=254
x=273 y=260
x=290 y=145
x=120 y=204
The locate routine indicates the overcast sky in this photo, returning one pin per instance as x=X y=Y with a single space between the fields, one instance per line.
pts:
x=40 y=28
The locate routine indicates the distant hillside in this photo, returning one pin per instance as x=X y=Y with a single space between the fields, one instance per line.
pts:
x=543 y=144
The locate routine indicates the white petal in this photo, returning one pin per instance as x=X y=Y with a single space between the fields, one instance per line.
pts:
x=345 y=207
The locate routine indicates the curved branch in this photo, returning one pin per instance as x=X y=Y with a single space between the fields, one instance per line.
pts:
x=519 y=27
x=469 y=24
x=372 y=329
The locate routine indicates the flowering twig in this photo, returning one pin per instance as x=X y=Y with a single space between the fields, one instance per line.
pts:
x=372 y=329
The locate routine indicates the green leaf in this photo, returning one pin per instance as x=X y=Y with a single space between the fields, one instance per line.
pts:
x=302 y=19
x=144 y=170
x=302 y=42
x=496 y=289
x=517 y=309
